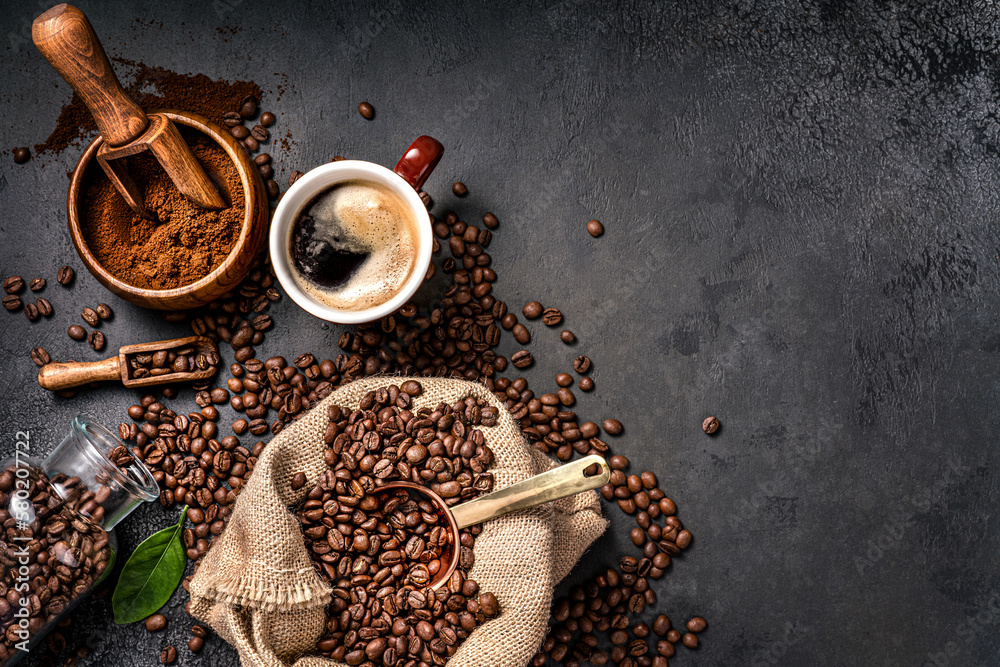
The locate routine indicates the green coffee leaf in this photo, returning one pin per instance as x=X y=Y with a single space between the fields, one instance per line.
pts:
x=151 y=574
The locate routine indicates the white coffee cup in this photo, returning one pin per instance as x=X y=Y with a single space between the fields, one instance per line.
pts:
x=409 y=174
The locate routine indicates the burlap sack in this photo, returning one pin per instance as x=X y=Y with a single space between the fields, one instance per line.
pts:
x=258 y=590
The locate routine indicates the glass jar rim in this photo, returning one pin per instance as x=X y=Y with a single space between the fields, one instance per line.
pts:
x=89 y=429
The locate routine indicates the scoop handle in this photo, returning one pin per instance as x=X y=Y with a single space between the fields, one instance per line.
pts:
x=59 y=375
x=68 y=41
x=557 y=483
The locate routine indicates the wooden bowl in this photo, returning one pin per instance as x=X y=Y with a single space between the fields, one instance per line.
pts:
x=224 y=277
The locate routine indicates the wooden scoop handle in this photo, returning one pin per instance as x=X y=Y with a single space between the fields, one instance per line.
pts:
x=58 y=375
x=67 y=40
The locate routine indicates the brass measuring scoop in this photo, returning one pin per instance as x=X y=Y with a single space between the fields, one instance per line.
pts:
x=68 y=41
x=566 y=480
x=65 y=375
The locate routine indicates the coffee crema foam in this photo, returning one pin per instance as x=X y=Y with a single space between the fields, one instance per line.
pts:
x=354 y=246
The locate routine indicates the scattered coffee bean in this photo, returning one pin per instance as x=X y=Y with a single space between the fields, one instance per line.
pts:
x=710 y=425
x=298 y=481
x=586 y=384
x=521 y=359
x=168 y=655
x=90 y=316
x=564 y=379
x=13 y=285
x=96 y=340
x=690 y=640
x=697 y=624
x=294 y=176
x=491 y=221
x=156 y=622
x=22 y=155
x=195 y=644
x=76 y=332
x=239 y=131
x=232 y=119
x=44 y=307
x=266 y=171
x=104 y=311
x=31 y=311
x=267 y=119
x=65 y=275
x=521 y=334
x=248 y=108
x=262 y=160
x=581 y=364
x=272 y=188
x=595 y=228
x=366 y=110
x=12 y=302
x=260 y=133
x=40 y=356
x=612 y=427
x=250 y=143
x=532 y=310
x=567 y=336
x=37 y=284
x=551 y=317
x=459 y=189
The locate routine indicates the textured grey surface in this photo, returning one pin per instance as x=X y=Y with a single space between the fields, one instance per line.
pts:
x=801 y=202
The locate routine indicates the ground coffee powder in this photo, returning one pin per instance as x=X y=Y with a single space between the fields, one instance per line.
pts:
x=185 y=244
x=152 y=88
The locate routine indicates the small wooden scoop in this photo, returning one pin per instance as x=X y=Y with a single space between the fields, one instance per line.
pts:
x=67 y=40
x=57 y=375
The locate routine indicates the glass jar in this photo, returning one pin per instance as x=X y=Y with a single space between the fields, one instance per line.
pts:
x=58 y=543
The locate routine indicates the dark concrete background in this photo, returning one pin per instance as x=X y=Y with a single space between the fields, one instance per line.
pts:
x=801 y=202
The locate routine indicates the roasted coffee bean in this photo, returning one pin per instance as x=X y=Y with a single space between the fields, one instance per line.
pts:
x=612 y=427
x=21 y=155
x=294 y=176
x=90 y=316
x=696 y=624
x=12 y=302
x=491 y=221
x=272 y=188
x=595 y=228
x=31 y=311
x=521 y=334
x=581 y=364
x=618 y=462
x=366 y=110
x=551 y=317
x=248 y=107
x=260 y=133
x=267 y=119
x=156 y=622
x=104 y=311
x=532 y=310
x=262 y=159
x=521 y=359
x=65 y=275
x=690 y=640
x=96 y=340
x=459 y=189
x=76 y=332
x=13 y=285
x=266 y=171
x=44 y=307
x=586 y=384
x=298 y=481
x=231 y=119
x=37 y=284
x=239 y=131
x=40 y=356
x=195 y=644
x=661 y=625
x=567 y=336
x=168 y=655
x=710 y=425
x=250 y=143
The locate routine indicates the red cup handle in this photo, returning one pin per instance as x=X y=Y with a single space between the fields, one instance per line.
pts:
x=419 y=160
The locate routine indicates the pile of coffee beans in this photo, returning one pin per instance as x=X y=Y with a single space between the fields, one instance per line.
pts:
x=457 y=338
x=12 y=302
x=58 y=554
x=170 y=361
x=252 y=137
x=381 y=549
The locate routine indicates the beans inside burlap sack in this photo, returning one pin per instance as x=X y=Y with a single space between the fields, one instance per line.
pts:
x=257 y=588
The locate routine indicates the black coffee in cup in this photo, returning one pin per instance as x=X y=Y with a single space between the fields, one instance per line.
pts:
x=354 y=245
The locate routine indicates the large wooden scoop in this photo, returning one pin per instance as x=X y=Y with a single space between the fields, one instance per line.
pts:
x=130 y=358
x=67 y=40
